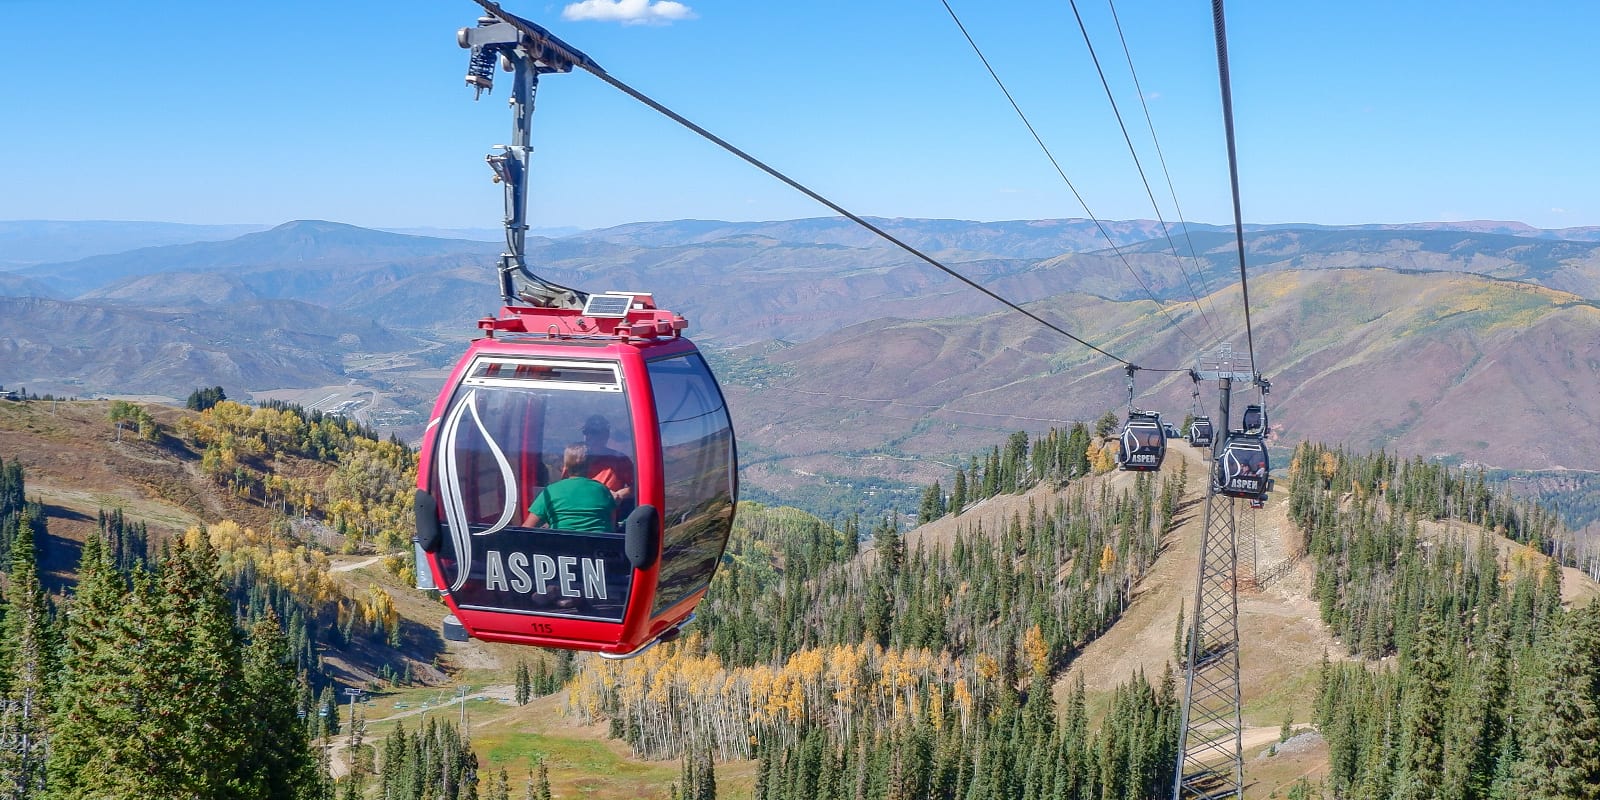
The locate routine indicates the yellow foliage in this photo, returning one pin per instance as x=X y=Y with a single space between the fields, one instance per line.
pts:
x=1108 y=559
x=988 y=668
x=1102 y=456
x=1036 y=650
x=1328 y=466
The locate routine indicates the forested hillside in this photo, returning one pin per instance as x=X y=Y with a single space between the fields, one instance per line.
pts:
x=1492 y=691
x=920 y=672
x=855 y=659
x=199 y=664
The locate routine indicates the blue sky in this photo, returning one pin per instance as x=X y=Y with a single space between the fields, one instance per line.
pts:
x=269 y=111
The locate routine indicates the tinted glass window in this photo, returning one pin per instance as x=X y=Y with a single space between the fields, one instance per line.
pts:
x=1253 y=461
x=698 y=464
x=499 y=445
x=519 y=416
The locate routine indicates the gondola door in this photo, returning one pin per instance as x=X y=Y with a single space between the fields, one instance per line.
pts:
x=502 y=444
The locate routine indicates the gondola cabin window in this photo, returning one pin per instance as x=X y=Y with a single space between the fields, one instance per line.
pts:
x=523 y=415
x=698 y=461
x=501 y=446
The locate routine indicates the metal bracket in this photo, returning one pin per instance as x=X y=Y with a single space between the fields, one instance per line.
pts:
x=527 y=51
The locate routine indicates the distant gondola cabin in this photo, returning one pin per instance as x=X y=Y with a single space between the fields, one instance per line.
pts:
x=1255 y=419
x=1143 y=442
x=1242 y=470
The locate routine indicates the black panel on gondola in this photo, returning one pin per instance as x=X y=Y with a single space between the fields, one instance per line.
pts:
x=1143 y=443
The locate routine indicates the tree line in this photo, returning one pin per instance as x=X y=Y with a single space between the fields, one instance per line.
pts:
x=189 y=667
x=366 y=496
x=14 y=504
x=1059 y=455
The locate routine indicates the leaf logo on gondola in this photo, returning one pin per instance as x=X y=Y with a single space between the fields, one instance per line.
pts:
x=1232 y=467
x=1130 y=443
x=455 y=506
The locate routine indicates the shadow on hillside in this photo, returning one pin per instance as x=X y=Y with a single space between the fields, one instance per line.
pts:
x=58 y=555
x=365 y=660
x=177 y=447
x=1185 y=512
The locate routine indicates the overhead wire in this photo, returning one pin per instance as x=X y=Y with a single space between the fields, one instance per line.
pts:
x=1128 y=54
x=588 y=65
x=1220 y=24
x=1059 y=171
x=1137 y=165
x=803 y=189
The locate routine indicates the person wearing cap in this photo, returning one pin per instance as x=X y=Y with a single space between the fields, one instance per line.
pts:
x=576 y=502
x=606 y=465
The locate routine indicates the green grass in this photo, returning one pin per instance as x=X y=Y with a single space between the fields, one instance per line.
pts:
x=583 y=763
x=1290 y=693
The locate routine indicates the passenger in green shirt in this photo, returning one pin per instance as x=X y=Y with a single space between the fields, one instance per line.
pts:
x=576 y=502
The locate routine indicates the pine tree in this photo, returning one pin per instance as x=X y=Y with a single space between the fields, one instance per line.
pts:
x=1562 y=726
x=276 y=763
x=200 y=672
x=1106 y=424
x=25 y=702
x=86 y=711
x=328 y=711
x=932 y=506
x=705 y=779
x=524 y=682
x=499 y=786
x=541 y=782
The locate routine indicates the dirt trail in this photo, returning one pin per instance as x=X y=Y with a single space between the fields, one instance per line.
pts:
x=1282 y=639
x=355 y=565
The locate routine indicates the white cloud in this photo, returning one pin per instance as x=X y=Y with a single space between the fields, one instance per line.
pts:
x=1558 y=211
x=628 y=12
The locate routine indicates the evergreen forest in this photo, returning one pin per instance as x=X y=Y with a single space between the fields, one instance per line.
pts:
x=1470 y=678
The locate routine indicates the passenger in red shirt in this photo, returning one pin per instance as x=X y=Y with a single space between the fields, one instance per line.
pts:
x=608 y=466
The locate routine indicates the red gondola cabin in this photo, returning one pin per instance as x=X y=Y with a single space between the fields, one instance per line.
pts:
x=578 y=480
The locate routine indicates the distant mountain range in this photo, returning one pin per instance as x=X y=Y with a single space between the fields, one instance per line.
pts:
x=83 y=349
x=1488 y=371
x=1475 y=341
x=24 y=242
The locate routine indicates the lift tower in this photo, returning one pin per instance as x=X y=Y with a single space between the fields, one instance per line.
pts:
x=1210 y=739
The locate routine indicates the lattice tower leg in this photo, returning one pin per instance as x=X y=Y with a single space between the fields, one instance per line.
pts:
x=1210 y=741
x=1249 y=578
